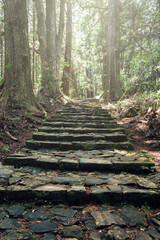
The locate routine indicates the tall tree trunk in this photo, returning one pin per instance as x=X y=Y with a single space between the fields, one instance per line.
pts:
x=17 y=89
x=2 y=43
x=60 y=35
x=33 y=47
x=132 y=41
x=112 y=82
x=104 y=27
x=2 y=55
x=158 y=5
x=41 y=28
x=68 y=50
x=51 y=86
x=36 y=71
x=103 y=32
x=90 y=90
x=104 y=70
x=74 y=82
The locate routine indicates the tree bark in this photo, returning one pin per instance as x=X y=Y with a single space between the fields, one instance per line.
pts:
x=2 y=55
x=112 y=82
x=41 y=29
x=17 y=89
x=2 y=43
x=51 y=86
x=60 y=35
x=74 y=82
x=51 y=35
x=33 y=48
x=158 y=5
x=68 y=50
x=104 y=67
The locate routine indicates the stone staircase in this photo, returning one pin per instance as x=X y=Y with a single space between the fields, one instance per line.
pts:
x=75 y=179
x=80 y=128
x=82 y=141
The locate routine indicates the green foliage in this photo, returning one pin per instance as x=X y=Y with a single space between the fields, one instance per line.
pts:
x=140 y=53
x=144 y=168
x=24 y=149
x=139 y=41
x=147 y=209
x=1 y=80
x=140 y=60
x=147 y=169
x=148 y=155
x=27 y=113
x=144 y=74
x=153 y=169
x=36 y=130
x=5 y=149
x=87 y=46
x=8 y=66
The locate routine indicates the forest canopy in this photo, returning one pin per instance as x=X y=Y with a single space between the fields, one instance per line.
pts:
x=78 y=48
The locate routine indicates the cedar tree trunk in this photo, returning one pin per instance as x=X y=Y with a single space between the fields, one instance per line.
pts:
x=41 y=28
x=17 y=89
x=51 y=88
x=68 y=50
x=112 y=82
x=60 y=35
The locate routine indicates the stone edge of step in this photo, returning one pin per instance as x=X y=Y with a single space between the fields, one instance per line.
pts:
x=78 y=195
x=87 y=165
x=75 y=145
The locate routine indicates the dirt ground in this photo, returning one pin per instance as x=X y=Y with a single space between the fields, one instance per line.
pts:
x=142 y=139
x=16 y=126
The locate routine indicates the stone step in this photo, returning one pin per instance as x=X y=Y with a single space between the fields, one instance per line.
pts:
x=34 y=184
x=114 y=137
x=88 y=162
x=81 y=130
x=76 y=120
x=81 y=121
x=81 y=118
x=88 y=100
x=89 y=110
x=83 y=112
x=81 y=105
x=79 y=124
x=78 y=195
x=88 y=145
x=70 y=114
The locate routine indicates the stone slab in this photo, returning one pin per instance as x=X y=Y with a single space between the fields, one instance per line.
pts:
x=51 y=192
x=47 y=162
x=73 y=232
x=100 y=195
x=133 y=217
x=80 y=130
x=67 y=180
x=43 y=227
x=5 y=173
x=20 y=161
x=95 y=165
x=17 y=235
x=9 y=224
x=132 y=166
x=69 y=165
x=139 y=196
x=77 y=195
x=107 y=219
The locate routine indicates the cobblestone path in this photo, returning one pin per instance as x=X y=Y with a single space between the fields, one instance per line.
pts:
x=79 y=178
